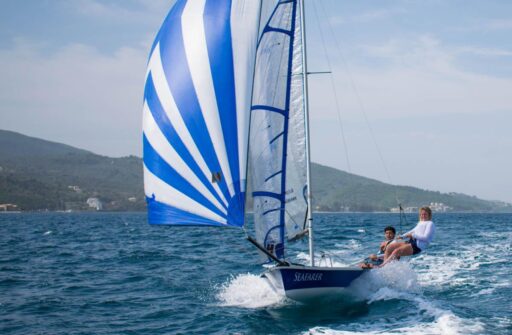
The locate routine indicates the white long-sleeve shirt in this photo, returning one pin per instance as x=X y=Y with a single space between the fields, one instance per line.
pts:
x=423 y=233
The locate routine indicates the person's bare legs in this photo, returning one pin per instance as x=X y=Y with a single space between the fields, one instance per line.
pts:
x=391 y=248
x=402 y=249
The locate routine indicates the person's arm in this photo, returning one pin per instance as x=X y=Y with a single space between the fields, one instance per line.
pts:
x=410 y=232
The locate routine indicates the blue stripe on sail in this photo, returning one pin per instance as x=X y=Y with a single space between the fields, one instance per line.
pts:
x=271 y=210
x=273 y=175
x=159 y=167
x=220 y=52
x=276 y=137
x=177 y=72
x=268 y=194
x=269 y=108
x=174 y=13
x=277 y=30
x=160 y=213
x=287 y=108
x=171 y=135
x=236 y=212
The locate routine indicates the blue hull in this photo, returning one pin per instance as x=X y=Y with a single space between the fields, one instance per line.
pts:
x=310 y=283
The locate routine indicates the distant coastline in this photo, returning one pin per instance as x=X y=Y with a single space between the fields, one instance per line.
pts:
x=38 y=175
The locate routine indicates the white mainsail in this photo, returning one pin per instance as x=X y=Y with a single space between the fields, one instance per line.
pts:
x=277 y=135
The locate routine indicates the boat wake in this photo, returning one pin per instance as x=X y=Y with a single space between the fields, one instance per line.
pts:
x=248 y=291
x=442 y=321
x=395 y=277
x=398 y=282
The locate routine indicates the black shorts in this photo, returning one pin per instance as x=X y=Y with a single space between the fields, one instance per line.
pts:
x=415 y=249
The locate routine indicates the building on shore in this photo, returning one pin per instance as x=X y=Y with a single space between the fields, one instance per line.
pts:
x=8 y=207
x=434 y=206
x=95 y=203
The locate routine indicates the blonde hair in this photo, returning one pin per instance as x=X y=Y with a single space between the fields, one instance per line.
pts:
x=428 y=210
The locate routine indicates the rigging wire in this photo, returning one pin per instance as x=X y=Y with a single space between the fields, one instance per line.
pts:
x=359 y=101
x=333 y=87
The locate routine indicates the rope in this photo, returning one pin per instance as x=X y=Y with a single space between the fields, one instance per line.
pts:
x=333 y=87
x=358 y=97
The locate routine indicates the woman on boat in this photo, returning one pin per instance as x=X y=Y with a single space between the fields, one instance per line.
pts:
x=419 y=238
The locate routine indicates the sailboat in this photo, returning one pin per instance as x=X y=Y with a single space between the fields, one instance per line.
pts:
x=226 y=97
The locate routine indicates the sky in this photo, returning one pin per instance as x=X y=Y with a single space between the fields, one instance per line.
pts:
x=423 y=89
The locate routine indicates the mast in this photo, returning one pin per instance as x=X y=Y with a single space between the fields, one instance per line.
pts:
x=306 y=120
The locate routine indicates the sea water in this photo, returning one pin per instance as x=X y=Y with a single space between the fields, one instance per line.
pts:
x=112 y=273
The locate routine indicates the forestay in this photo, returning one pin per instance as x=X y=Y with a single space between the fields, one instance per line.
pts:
x=197 y=102
x=277 y=134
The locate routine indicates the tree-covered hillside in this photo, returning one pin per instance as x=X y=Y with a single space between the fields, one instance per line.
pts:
x=336 y=190
x=37 y=174
x=41 y=175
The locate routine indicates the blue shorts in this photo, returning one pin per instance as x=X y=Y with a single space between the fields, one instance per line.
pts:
x=415 y=249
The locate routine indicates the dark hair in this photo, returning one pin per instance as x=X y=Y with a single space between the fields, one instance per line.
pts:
x=390 y=228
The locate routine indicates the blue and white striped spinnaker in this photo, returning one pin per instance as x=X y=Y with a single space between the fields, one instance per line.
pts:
x=197 y=101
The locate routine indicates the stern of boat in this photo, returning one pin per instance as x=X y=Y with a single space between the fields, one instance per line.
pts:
x=306 y=284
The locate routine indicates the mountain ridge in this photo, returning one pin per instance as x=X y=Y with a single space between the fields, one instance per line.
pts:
x=37 y=174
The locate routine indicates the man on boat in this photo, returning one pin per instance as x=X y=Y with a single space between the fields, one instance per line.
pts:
x=419 y=238
x=377 y=259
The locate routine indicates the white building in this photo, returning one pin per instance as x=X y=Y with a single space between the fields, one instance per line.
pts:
x=95 y=203
x=439 y=207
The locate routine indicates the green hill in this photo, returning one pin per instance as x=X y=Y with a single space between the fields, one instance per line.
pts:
x=36 y=174
x=336 y=190
x=41 y=175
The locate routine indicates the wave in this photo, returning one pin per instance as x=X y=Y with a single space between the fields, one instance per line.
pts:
x=248 y=291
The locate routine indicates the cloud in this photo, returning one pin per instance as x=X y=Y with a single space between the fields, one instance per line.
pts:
x=365 y=17
x=419 y=75
x=498 y=24
x=487 y=52
x=133 y=11
x=75 y=94
x=483 y=25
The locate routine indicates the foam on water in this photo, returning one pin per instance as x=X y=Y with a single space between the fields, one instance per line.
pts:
x=248 y=291
x=111 y=277
x=457 y=268
x=445 y=324
x=397 y=281
x=389 y=282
